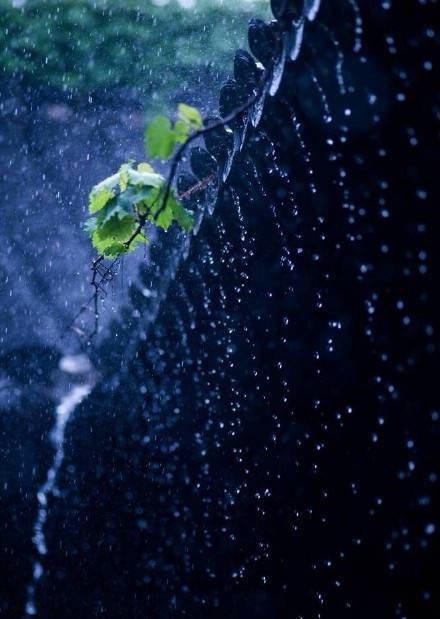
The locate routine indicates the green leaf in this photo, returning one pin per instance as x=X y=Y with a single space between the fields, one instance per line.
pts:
x=181 y=131
x=120 y=207
x=109 y=238
x=139 y=238
x=145 y=167
x=116 y=229
x=159 y=138
x=99 y=244
x=98 y=198
x=115 y=249
x=113 y=245
x=165 y=217
x=123 y=176
x=140 y=196
x=173 y=211
x=90 y=226
x=190 y=115
x=146 y=179
x=181 y=215
x=102 y=193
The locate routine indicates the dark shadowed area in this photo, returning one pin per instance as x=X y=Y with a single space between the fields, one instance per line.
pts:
x=254 y=430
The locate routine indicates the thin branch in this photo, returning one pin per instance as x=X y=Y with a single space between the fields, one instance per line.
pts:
x=141 y=224
x=204 y=182
x=204 y=130
x=226 y=120
x=106 y=276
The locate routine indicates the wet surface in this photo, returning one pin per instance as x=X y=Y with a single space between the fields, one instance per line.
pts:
x=262 y=437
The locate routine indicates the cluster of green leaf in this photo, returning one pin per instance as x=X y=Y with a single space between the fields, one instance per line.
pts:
x=88 y=45
x=121 y=204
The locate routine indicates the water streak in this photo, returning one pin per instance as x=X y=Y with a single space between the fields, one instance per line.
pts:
x=63 y=412
x=278 y=70
x=323 y=97
x=340 y=60
x=311 y=9
x=286 y=256
x=358 y=26
x=257 y=110
x=228 y=163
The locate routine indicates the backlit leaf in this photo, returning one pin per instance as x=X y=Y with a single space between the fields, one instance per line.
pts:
x=123 y=176
x=98 y=198
x=116 y=229
x=118 y=207
x=145 y=167
x=181 y=215
x=191 y=115
x=158 y=216
x=90 y=226
x=147 y=179
x=181 y=131
x=159 y=138
x=115 y=249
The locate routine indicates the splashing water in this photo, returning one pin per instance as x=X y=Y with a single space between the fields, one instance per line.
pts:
x=229 y=162
x=296 y=38
x=257 y=109
x=63 y=412
x=311 y=9
x=358 y=26
x=327 y=114
x=245 y=129
x=278 y=70
x=340 y=61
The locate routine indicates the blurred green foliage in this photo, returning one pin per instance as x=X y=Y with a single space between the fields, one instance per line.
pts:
x=88 y=46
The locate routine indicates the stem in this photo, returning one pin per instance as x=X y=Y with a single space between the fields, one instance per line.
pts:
x=204 y=182
x=214 y=125
x=175 y=162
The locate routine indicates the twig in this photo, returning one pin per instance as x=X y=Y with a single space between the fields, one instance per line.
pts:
x=141 y=224
x=204 y=130
x=204 y=182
